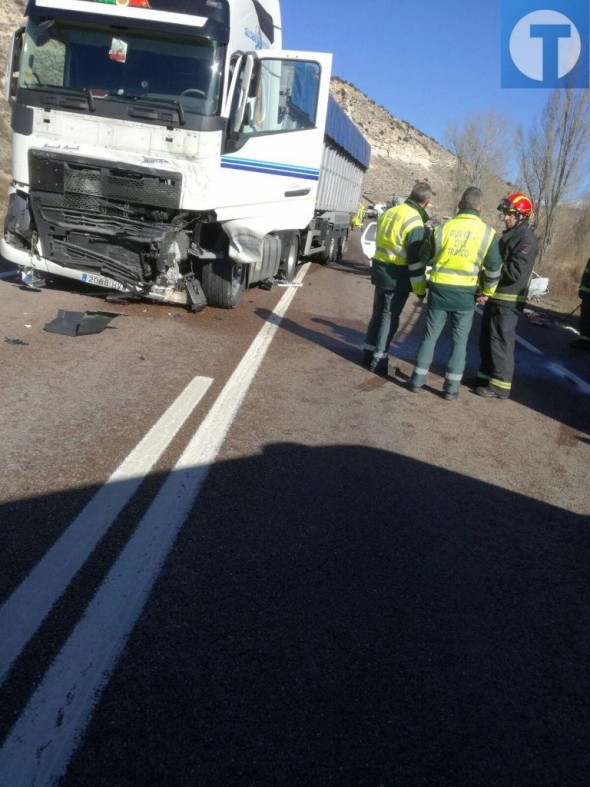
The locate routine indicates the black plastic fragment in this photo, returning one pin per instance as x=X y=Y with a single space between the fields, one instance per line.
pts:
x=81 y=323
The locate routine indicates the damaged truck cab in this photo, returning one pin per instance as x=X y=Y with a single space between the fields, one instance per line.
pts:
x=167 y=149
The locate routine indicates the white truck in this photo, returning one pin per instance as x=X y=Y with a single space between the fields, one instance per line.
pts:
x=169 y=149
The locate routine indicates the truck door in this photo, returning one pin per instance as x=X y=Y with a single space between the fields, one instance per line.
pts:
x=275 y=139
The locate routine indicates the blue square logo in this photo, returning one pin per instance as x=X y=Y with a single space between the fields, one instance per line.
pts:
x=545 y=44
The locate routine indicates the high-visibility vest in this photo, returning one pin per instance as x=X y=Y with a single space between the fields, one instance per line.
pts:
x=392 y=231
x=461 y=245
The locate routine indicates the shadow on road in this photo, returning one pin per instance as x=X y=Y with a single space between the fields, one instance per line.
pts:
x=538 y=383
x=342 y=616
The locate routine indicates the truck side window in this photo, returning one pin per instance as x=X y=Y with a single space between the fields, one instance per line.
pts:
x=286 y=97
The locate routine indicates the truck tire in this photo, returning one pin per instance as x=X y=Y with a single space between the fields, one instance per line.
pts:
x=223 y=282
x=289 y=264
x=328 y=256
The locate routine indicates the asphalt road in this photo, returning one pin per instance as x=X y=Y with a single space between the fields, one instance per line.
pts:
x=307 y=575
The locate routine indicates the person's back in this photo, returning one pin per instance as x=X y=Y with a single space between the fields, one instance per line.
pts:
x=396 y=270
x=458 y=250
x=460 y=246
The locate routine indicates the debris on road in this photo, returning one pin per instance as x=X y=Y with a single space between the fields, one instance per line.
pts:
x=81 y=323
x=538 y=318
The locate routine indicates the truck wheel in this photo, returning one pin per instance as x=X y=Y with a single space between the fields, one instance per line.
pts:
x=223 y=282
x=334 y=248
x=329 y=254
x=289 y=265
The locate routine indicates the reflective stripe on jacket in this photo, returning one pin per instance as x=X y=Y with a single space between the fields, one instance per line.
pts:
x=392 y=231
x=461 y=245
x=518 y=247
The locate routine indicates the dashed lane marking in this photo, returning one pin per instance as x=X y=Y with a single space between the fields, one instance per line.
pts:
x=24 y=611
x=45 y=736
x=555 y=368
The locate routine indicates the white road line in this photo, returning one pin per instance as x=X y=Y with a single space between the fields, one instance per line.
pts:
x=528 y=345
x=556 y=368
x=45 y=736
x=561 y=371
x=24 y=611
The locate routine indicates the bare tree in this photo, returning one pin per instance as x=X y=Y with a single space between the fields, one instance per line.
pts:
x=551 y=156
x=482 y=146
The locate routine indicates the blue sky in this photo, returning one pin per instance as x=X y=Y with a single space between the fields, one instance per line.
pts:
x=426 y=62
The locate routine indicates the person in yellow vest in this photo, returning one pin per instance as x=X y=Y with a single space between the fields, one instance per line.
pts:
x=466 y=263
x=396 y=270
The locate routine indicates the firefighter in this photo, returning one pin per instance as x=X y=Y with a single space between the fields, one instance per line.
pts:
x=583 y=341
x=395 y=271
x=518 y=248
x=463 y=250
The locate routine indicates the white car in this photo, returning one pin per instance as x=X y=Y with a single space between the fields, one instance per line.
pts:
x=369 y=240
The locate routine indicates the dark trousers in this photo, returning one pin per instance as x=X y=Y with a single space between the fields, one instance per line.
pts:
x=387 y=308
x=496 y=345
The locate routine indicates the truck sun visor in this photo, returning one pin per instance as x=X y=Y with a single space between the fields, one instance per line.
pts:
x=265 y=21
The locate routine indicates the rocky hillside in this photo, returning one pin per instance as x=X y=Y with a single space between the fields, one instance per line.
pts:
x=401 y=154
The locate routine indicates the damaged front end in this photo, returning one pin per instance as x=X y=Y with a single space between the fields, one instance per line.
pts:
x=113 y=226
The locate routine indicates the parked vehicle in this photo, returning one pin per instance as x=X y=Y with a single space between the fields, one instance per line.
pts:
x=173 y=151
x=369 y=240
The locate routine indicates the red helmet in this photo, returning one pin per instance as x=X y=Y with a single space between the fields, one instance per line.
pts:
x=516 y=203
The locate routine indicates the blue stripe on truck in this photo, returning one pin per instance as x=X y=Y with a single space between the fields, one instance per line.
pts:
x=270 y=168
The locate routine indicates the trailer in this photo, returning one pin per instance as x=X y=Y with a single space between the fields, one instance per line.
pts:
x=171 y=150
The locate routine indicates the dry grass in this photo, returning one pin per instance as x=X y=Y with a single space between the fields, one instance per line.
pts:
x=567 y=258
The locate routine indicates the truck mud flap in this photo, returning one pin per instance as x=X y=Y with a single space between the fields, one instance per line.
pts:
x=197 y=298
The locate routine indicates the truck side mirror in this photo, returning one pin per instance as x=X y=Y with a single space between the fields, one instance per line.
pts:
x=13 y=66
x=243 y=87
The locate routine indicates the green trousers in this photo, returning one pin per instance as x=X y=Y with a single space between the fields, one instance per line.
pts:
x=460 y=327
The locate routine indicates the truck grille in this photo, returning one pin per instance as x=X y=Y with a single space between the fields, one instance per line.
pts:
x=99 y=181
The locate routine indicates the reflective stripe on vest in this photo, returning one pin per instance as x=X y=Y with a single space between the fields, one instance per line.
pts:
x=392 y=231
x=505 y=296
x=461 y=245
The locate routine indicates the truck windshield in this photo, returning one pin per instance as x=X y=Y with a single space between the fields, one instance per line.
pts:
x=118 y=63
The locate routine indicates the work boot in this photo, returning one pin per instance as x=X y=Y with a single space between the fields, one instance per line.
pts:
x=380 y=366
x=488 y=392
x=449 y=396
x=367 y=358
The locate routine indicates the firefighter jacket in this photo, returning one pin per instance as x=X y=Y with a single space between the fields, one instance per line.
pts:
x=397 y=265
x=465 y=258
x=518 y=248
x=584 y=291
